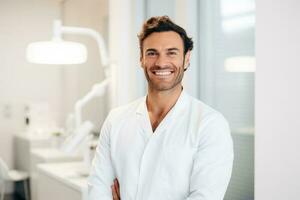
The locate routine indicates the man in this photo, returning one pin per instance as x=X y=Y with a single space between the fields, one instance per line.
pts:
x=167 y=145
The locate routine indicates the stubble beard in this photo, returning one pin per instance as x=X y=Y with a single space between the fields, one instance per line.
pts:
x=153 y=86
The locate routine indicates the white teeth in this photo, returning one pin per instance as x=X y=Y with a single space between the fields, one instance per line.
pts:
x=163 y=73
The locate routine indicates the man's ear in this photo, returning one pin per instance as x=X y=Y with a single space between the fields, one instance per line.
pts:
x=141 y=61
x=187 y=57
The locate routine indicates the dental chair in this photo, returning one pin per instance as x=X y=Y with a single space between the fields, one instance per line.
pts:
x=13 y=176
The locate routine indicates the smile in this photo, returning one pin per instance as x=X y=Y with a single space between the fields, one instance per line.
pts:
x=162 y=72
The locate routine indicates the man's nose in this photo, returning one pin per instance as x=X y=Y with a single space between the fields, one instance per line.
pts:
x=161 y=61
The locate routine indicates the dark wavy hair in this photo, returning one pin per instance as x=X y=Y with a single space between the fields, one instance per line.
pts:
x=162 y=24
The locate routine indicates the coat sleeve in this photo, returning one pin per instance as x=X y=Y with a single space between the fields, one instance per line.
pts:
x=213 y=161
x=102 y=173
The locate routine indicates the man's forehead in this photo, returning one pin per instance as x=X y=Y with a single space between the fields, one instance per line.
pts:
x=165 y=40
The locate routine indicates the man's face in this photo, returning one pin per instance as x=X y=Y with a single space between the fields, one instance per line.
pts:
x=163 y=60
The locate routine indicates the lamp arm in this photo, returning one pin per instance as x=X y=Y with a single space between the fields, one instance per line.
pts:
x=98 y=89
x=59 y=29
x=74 y=140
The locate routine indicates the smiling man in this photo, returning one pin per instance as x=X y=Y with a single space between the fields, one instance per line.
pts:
x=166 y=145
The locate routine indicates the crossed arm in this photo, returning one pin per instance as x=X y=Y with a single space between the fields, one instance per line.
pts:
x=210 y=174
x=115 y=190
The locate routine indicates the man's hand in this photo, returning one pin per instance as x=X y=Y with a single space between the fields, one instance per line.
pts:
x=115 y=189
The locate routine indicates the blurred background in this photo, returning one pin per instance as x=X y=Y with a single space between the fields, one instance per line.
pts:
x=44 y=106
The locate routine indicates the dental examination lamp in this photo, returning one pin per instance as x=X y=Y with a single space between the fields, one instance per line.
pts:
x=61 y=52
x=58 y=51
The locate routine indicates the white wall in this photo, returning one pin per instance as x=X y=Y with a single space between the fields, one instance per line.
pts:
x=125 y=20
x=186 y=15
x=22 y=22
x=277 y=100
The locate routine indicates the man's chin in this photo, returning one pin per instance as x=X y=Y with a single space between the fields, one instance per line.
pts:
x=162 y=87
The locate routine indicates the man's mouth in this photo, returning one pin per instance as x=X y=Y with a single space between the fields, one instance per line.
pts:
x=162 y=72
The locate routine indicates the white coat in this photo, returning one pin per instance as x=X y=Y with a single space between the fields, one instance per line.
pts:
x=188 y=157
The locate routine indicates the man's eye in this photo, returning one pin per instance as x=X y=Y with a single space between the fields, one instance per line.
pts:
x=151 y=54
x=172 y=53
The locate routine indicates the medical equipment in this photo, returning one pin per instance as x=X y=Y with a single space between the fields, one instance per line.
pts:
x=40 y=52
x=46 y=53
x=80 y=137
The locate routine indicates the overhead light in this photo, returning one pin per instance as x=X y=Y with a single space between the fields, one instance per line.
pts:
x=61 y=52
x=240 y=64
x=56 y=51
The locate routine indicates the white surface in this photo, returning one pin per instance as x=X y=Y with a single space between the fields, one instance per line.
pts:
x=23 y=144
x=52 y=155
x=277 y=111
x=66 y=179
x=45 y=155
x=50 y=189
x=32 y=137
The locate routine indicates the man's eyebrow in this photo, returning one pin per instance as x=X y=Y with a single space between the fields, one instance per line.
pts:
x=151 y=50
x=169 y=49
x=173 y=49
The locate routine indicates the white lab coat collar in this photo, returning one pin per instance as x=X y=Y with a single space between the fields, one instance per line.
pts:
x=180 y=106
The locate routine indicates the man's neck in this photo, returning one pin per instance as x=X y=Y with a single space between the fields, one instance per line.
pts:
x=159 y=103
